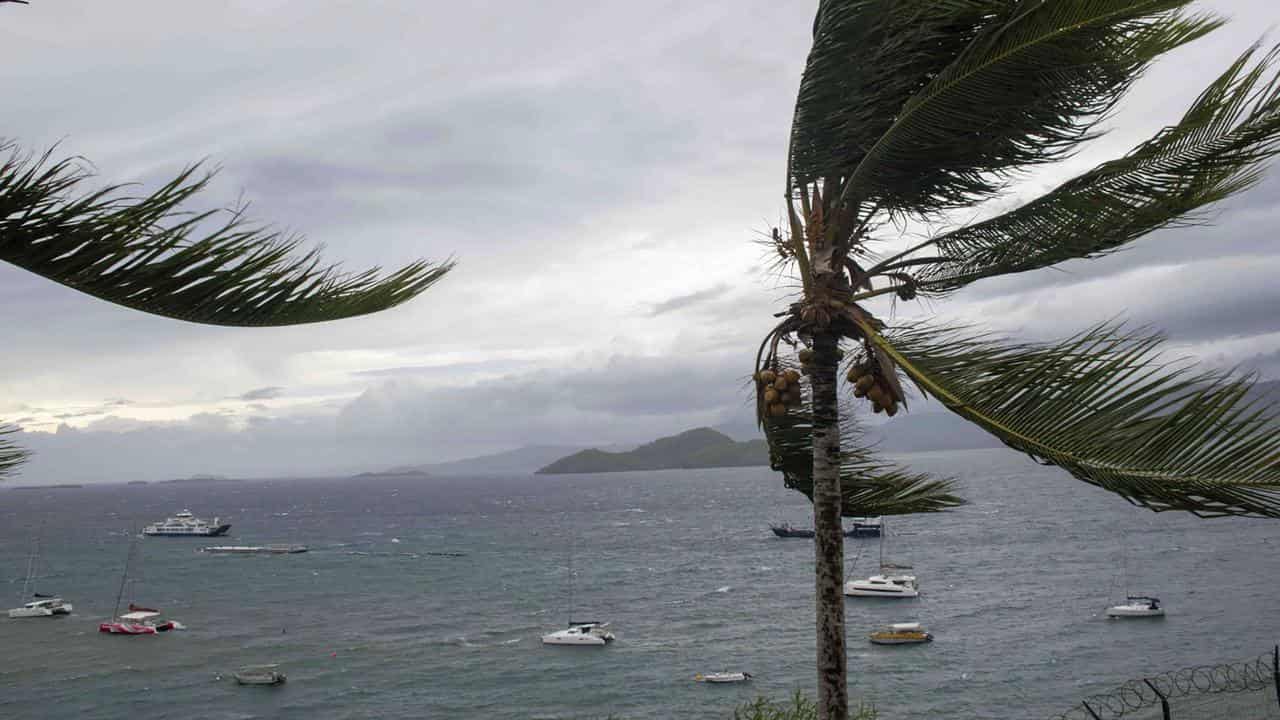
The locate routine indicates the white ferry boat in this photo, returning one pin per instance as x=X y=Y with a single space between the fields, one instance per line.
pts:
x=187 y=525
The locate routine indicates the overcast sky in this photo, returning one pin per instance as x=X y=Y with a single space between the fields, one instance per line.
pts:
x=599 y=170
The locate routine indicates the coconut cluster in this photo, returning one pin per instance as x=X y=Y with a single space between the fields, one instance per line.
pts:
x=869 y=382
x=779 y=390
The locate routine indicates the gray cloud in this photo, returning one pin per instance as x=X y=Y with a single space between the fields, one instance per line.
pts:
x=594 y=183
x=262 y=393
x=680 y=302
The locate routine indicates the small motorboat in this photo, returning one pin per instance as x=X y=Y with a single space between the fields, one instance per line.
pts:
x=587 y=633
x=864 y=527
x=786 y=531
x=722 y=677
x=1137 y=606
x=259 y=675
x=900 y=634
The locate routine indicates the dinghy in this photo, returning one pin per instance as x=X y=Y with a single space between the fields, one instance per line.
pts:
x=722 y=677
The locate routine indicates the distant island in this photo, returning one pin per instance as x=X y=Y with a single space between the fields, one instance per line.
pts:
x=62 y=486
x=698 y=448
x=200 y=479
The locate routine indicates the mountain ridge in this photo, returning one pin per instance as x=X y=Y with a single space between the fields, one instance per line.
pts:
x=697 y=448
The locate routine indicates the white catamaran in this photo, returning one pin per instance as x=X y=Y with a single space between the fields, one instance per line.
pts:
x=892 y=582
x=42 y=605
x=591 y=633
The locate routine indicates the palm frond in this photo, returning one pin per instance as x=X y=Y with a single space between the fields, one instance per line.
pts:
x=868 y=486
x=1027 y=89
x=1217 y=149
x=868 y=58
x=1105 y=408
x=150 y=254
x=11 y=455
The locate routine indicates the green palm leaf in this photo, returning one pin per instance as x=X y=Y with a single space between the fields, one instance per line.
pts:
x=1217 y=149
x=868 y=58
x=1027 y=89
x=11 y=456
x=868 y=486
x=1103 y=407
x=150 y=254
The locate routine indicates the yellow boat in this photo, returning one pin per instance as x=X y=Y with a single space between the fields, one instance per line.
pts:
x=901 y=634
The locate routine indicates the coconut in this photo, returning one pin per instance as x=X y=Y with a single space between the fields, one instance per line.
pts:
x=768 y=376
x=780 y=384
x=865 y=382
x=792 y=396
x=792 y=376
x=777 y=410
x=876 y=407
x=770 y=396
x=806 y=355
x=877 y=394
x=851 y=376
x=891 y=409
x=859 y=392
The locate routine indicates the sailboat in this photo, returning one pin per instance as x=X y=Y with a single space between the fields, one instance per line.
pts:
x=42 y=605
x=890 y=583
x=590 y=633
x=1134 y=606
x=138 y=620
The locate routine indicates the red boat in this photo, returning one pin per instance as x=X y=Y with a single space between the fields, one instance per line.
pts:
x=138 y=622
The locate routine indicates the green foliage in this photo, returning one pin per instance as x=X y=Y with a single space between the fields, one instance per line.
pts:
x=11 y=456
x=150 y=254
x=797 y=708
x=868 y=486
x=1216 y=150
x=952 y=95
x=697 y=448
x=1101 y=406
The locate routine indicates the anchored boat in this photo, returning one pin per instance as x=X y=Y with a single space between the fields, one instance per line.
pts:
x=255 y=549
x=901 y=634
x=184 y=524
x=42 y=605
x=722 y=677
x=259 y=675
x=1137 y=606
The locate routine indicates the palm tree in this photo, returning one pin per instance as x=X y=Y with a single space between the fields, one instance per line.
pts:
x=910 y=109
x=151 y=254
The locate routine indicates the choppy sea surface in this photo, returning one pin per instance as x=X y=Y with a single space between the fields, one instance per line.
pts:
x=370 y=625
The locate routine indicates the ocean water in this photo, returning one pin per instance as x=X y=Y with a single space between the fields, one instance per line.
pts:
x=369 y=625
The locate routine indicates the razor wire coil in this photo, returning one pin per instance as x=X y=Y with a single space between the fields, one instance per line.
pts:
x=1243 y=676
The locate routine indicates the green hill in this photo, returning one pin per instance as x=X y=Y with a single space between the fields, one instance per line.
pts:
x=699 y=448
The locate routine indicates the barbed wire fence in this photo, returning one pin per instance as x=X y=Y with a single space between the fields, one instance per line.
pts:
x=1244 y=690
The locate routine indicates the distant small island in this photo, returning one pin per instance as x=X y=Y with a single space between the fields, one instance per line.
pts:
x=200 y=479
x=61 y=486
x=136 y=482
x=692 y=449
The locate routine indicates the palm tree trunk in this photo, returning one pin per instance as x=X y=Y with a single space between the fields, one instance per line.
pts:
x=828 y=541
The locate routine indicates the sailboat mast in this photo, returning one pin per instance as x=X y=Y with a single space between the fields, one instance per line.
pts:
x=884 y=535
x=571 y=580
x=31 y=567
x=124 y=577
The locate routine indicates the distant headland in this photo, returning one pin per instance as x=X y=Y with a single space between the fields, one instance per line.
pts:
x=698 y=448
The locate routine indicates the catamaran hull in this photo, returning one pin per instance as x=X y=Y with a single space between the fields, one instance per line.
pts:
x=136 y=629
x=64 y=609
x=853 y=591
x=1123 y=611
